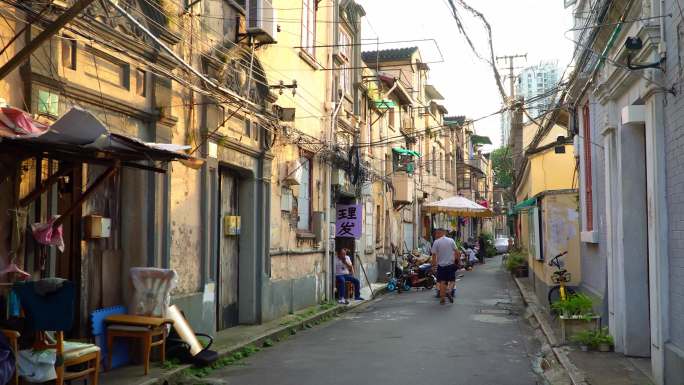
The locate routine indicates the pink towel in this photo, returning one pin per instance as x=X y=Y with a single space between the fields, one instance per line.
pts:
x=44 y=233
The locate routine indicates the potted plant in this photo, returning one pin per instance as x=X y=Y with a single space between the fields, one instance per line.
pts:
x=576 y=315
x=584 y=339
x=603 y=340
x=517 y=264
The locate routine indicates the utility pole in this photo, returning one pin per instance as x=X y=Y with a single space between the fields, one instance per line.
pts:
x=511 y=96
x=511 y=76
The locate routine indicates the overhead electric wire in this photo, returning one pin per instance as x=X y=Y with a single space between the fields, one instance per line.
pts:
x=241 y=61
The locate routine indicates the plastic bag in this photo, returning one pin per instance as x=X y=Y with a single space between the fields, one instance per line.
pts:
x=37 y=365
x=151 y=291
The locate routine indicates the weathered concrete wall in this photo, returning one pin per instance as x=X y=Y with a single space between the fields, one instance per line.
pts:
x=186 y=228
x=199 y=310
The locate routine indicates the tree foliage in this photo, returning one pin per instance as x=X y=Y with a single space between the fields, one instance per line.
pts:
x=502 y=166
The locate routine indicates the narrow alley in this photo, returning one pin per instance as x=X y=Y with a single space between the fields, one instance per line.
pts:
x=266 y=192
x=408 y=338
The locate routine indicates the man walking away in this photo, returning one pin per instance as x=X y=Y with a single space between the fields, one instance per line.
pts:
x=344 y=272
x=444 y=259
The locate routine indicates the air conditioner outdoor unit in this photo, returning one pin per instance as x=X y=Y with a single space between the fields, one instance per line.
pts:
x=293 y=173
x=338 y=177
x=261 y=21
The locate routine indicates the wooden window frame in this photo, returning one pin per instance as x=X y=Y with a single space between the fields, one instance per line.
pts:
x=308 y=27
x=588 y=182
x=303 y=155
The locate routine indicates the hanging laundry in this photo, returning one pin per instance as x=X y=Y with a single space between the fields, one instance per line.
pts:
x=45 y=234
x=17 y=123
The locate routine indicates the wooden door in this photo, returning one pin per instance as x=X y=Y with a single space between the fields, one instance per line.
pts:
x=227 y=311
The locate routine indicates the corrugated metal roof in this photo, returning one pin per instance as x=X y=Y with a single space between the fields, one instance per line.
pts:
x=385 y=55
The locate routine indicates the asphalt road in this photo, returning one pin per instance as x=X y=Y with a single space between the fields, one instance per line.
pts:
x=409 y=339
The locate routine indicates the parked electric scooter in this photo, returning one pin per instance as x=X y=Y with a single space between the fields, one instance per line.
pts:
x=416 y=275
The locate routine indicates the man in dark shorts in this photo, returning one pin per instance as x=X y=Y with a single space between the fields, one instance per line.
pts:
x=444 y=254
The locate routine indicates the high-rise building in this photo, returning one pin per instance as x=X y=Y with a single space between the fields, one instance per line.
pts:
x=535 y=84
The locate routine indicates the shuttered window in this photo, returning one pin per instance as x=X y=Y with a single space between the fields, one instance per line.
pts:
x=309 y=26
x=304 y=197
x=588 y=188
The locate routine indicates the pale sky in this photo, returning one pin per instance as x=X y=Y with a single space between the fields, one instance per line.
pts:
x=534 y=27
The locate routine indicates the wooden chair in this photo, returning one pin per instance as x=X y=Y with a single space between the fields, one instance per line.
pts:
x=54 y=311
x=13 y=338
x=349 y=289
x=146 y=322
x=72 y=354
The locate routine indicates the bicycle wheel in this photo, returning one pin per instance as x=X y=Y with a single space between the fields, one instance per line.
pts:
x=391 y=286
x=554 y=294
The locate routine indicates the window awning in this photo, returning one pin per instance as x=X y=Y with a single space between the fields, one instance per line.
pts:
x=404 y=151
x=480 y=139
x=524 y=205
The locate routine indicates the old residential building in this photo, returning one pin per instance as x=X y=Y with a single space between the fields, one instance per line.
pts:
x=242 y=138
x=628 y=133
x=547 y=222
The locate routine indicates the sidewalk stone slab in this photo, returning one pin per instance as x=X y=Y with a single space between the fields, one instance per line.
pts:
x=585 y=368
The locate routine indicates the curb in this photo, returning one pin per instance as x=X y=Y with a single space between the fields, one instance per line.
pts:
x=576 y=376
x=283 y=331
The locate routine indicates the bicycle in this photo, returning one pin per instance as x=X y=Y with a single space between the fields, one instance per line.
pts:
x=560 y=277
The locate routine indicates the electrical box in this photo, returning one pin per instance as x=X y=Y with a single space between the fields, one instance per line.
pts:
x=231 y=225
x=97 y=226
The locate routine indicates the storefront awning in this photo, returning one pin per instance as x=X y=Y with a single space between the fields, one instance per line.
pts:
x=404 y=151
x=458 y=206
x=527 y=203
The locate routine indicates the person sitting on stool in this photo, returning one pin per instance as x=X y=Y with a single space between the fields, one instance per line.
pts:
x=344 y=272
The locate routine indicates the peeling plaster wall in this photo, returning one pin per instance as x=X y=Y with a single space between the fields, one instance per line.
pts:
x=295 y=266
x=185 y=228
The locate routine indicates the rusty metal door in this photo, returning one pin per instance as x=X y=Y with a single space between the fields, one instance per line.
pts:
x=227 y=311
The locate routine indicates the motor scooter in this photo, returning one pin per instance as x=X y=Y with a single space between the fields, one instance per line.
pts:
x=416 y=275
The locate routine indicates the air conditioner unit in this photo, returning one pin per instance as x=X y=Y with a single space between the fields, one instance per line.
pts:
x=338 y=177
x=292 y=172
x=261 y=21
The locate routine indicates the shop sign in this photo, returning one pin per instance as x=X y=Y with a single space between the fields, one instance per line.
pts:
x=348 y=223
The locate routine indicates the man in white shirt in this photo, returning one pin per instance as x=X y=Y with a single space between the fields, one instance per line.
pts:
x=344 y=272
x=444 y=260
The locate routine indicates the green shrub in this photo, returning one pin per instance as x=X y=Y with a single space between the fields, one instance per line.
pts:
x=593 y=338
x=516 y=260
x=585 y=337
x=575 y=305
x=602 y=337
